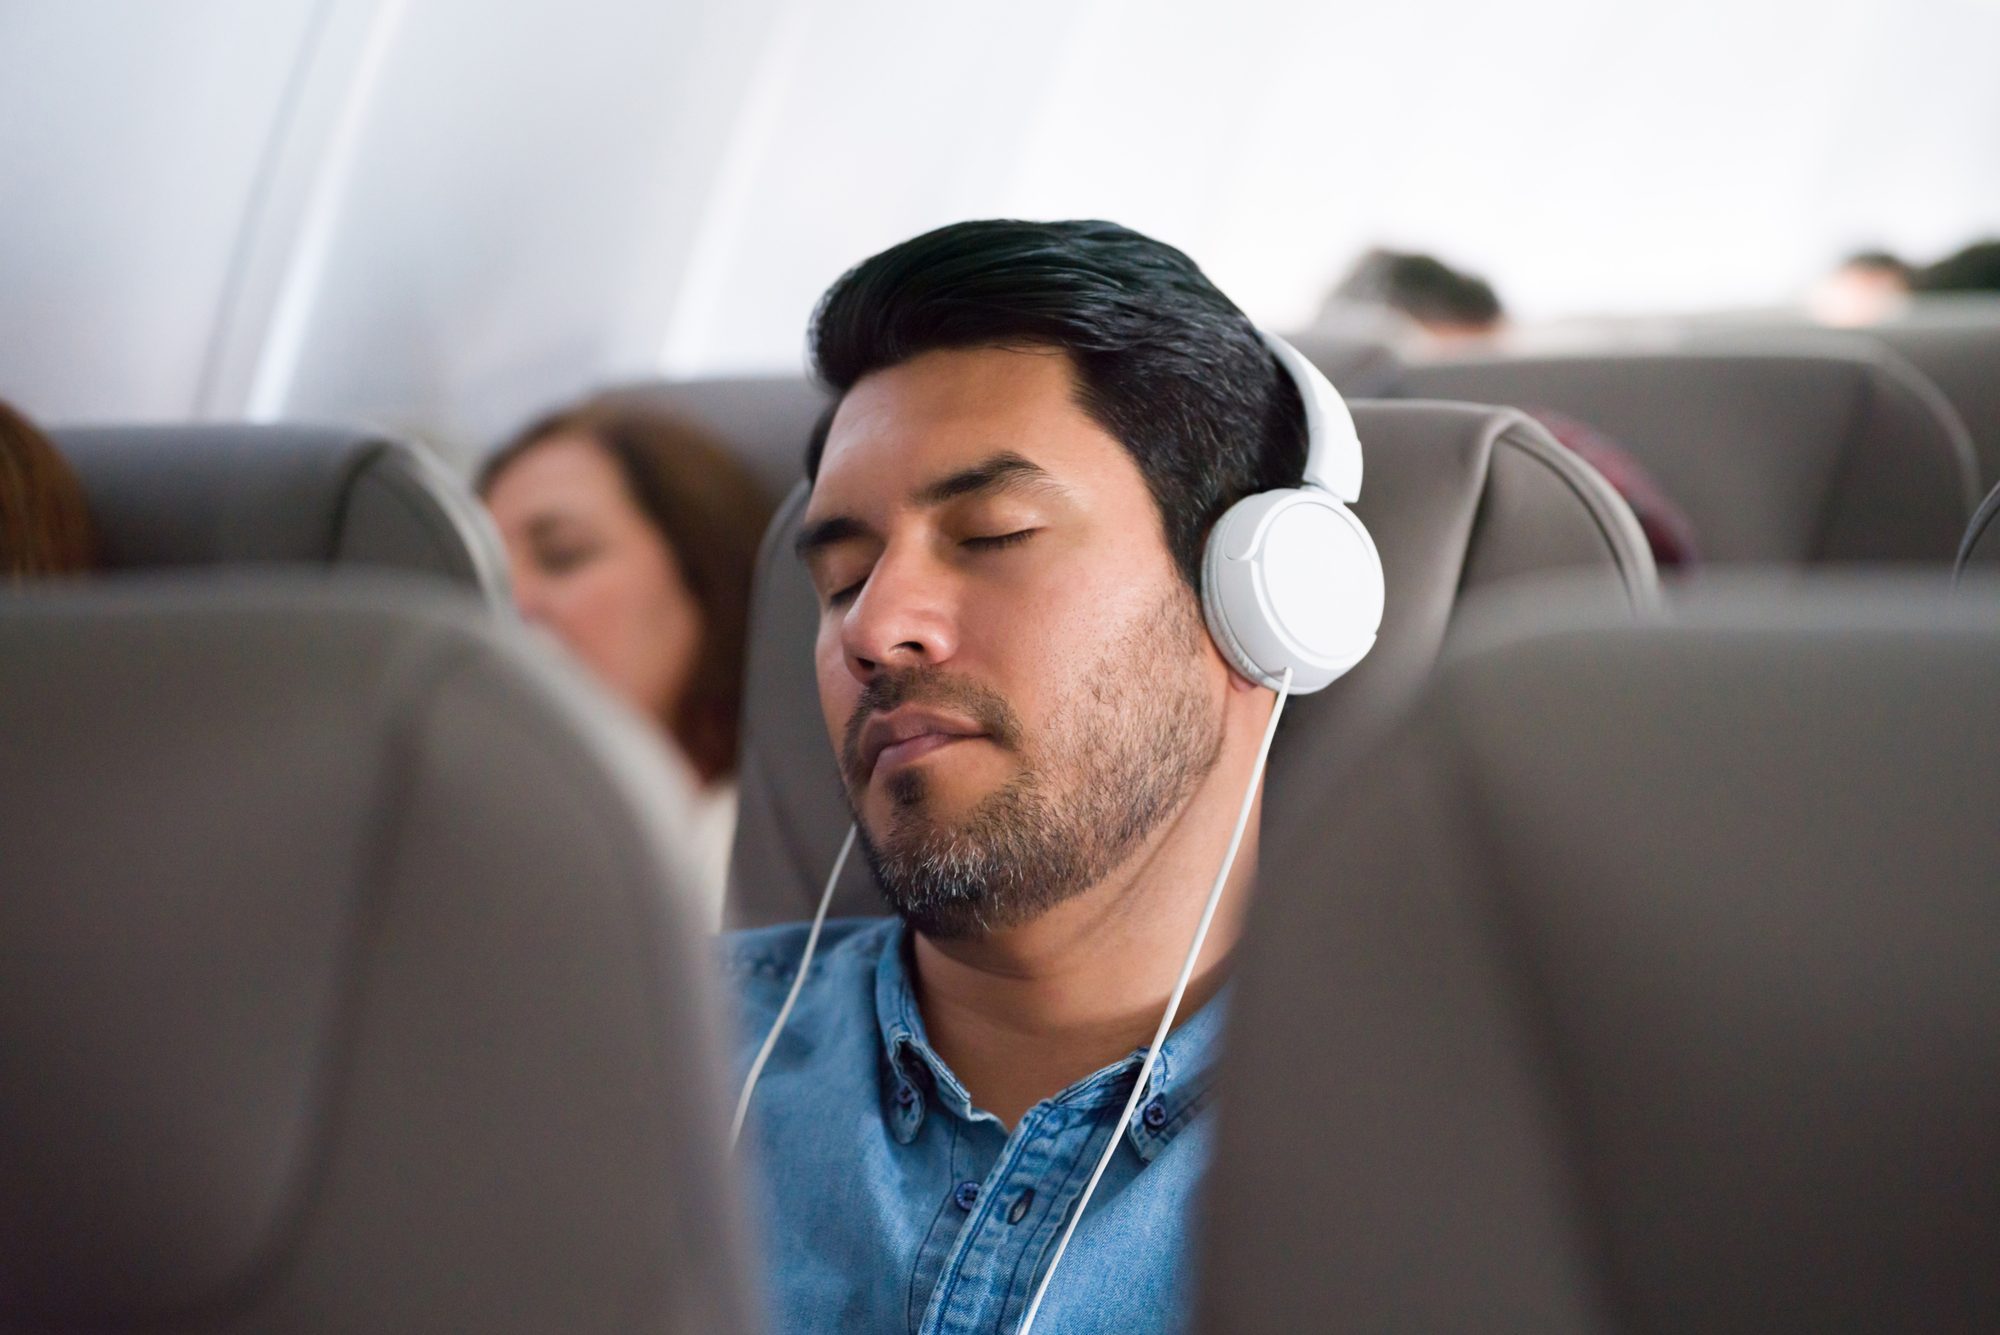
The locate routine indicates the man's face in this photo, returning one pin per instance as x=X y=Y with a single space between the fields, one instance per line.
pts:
x=1012 y=671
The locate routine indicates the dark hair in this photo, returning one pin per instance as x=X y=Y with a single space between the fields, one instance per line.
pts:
x=45 y=526
x=711 y=512
x=1976 y=268
x=1163 y=361
x=1879 y=261
x=1422 y=287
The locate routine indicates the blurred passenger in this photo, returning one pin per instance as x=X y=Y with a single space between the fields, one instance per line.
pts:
x=1867 y=288
x=1976 y=268
x=45 y=526
x=632 y=536
x=1448 y=310
x=1448 y=305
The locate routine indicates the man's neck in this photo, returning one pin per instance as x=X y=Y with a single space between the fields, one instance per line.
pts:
x=1021 y=1014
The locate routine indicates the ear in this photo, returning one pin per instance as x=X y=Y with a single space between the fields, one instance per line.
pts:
x=1239 y=683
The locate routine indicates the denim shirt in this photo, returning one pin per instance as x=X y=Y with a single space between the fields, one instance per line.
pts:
x=890 y=1203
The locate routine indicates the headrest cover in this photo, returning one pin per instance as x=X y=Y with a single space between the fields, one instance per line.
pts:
x=346 y=987
x=238 y=494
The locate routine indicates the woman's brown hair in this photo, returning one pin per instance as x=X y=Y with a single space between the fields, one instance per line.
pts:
x=45 y=526
x=712 y=513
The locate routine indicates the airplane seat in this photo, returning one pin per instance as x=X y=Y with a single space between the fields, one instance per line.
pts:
x=1979 y=553
x=1777 y=456
x=1961 y=356
x=764 y=420
x=1645 y=983
x=243 y=494
x=1457 y=498
x=1362 y=364
x=344 y=987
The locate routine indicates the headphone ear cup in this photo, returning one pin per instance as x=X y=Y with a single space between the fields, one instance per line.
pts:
x=1291 y=579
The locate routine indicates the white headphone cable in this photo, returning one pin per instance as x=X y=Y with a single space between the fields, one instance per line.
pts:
x=791 y=997
x=1173 y=1005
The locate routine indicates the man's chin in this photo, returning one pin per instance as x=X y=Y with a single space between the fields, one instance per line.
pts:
x=917 y=801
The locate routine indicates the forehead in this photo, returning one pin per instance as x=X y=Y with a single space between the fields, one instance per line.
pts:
x=569 y=470
x=949 y=409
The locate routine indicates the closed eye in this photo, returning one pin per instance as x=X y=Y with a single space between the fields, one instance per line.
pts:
x=1001 y=540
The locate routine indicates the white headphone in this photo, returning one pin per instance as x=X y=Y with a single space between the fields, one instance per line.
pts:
x=1290 y=578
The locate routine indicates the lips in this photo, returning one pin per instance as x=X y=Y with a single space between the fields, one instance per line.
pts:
x=904 y=735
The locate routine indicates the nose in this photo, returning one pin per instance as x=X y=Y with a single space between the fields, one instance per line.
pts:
x=902 y=617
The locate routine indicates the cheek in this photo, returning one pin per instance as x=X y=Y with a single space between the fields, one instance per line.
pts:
x=1041 y=635
x=838 y=690
x=633 y=622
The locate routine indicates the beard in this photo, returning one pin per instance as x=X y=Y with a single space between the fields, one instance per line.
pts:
x=1122 y=753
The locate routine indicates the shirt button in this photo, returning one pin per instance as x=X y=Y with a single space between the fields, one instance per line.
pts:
x=1155 y=1114
x=905 y=1096
x=967 y=1195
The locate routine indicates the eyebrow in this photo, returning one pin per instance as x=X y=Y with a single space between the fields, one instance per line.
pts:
x=1005 y=471
x=545 y=524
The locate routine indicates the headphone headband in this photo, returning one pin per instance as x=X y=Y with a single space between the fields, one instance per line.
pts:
x=1333 y=449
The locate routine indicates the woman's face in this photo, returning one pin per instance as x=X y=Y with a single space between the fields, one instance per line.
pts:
x=591 y=567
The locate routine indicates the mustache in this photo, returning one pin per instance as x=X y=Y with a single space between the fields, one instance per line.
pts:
x=893 y=688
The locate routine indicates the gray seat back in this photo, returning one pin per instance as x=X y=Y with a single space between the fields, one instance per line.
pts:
x=765 y=421
x=1980 y=552
x=1456 y=497
x=165 y=496
x=1362 y=364
x=1776 y=456
x=1962 y=358
x=345 y=987
x=1646 y=982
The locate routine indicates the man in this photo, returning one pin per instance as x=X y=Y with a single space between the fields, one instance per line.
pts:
x=1045 y=753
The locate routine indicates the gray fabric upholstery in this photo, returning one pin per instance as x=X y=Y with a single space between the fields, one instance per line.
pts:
x=1952 y=341
x=765 y=421
x=1776 y=456
x=240 y=494
x=1456 y=497
x=1361 y=364
x=1980 y=552
x=1645 y=982
x=341 y=984
x=1962 y=358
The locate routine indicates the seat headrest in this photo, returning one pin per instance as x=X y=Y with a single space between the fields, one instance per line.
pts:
x=1776 y=455
x=241 y=494
x=765 y=421
x=1362 y=364
x=1980 y=551
x=1645 y=982
x=1458 y=497
x=345 y=985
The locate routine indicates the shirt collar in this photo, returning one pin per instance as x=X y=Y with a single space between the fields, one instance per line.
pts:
x=914 y=1076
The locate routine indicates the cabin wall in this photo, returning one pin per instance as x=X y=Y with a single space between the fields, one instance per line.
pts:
x=444 y=214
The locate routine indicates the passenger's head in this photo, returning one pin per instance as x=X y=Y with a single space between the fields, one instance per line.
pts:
x=633 y=537
x=1444 y=302
x=45 y=526
x=1865 y=288
x=1976 y=268
x=1037 y=425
